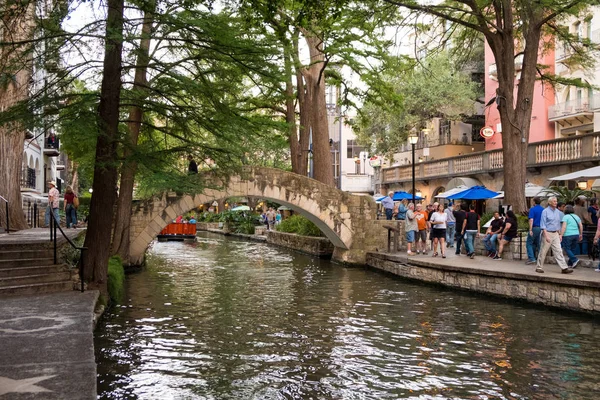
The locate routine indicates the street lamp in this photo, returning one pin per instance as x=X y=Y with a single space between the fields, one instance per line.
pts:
x=413 y=139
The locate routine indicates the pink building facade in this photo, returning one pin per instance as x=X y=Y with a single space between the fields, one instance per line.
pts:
x=543 y=98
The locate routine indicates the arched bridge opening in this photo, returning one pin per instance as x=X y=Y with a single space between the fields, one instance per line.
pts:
x=346 y=220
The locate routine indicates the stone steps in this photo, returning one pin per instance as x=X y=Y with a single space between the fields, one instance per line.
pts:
x=27 y=268
x=34 y=270
x=35 y=279
x=25 y=262
x=26 y=253
x=36 y=288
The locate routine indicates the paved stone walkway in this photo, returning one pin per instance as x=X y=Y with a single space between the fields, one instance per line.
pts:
x=47 y=346
x=486 y=264
x=35 y=235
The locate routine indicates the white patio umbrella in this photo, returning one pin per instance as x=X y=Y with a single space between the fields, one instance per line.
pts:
x=590 y=173
x=531 y=190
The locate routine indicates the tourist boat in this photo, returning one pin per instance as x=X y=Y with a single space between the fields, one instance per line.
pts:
x=178 y=232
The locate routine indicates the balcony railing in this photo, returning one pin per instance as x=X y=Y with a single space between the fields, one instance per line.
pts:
x=547 y=153
x=28 y=178
x=51 y=146
x=572 y=107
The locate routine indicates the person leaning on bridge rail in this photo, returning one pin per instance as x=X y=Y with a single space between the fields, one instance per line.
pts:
x=534 y=234
x=550 y=223
x=421 y=240
x=411 y=228
x=388 y=206
x=402 y=210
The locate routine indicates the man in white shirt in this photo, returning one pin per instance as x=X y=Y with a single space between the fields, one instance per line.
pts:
x=53 y=200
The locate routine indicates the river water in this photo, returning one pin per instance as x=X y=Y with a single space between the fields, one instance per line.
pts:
x=224 y=318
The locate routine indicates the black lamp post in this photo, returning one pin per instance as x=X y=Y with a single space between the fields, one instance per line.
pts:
x=413 y=139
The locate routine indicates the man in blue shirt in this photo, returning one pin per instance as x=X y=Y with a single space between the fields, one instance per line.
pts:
x=388 y=205
x=550 y=224
x=533 y=238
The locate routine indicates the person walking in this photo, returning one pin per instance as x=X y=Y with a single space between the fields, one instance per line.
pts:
x=459 y=215
x=492 y=234
x=438 y=230
x=470 y=229
x=70 y=208
x=53 y=203
x=411 y=228
x=551 y=237
x=421 y=240
x=388 y=205
x=572 y=233
x=534 y=234
x=450 y=226
x=509 y=232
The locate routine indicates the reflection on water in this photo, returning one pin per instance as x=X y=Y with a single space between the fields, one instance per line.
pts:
x=229 y=319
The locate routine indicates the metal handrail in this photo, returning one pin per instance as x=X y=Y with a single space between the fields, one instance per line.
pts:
x=7 y=219
x=53 y=226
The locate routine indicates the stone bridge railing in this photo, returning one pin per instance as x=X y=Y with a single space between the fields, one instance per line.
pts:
x=547 y=153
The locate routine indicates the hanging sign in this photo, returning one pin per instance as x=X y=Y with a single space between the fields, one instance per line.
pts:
x=375 y=161
x=487 y=132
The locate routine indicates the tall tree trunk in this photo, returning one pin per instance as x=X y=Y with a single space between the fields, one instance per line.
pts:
x=15 y=62
x=304 y=110
x=315 y=87
x=121 y=241
x=290 y=113
x=515 y=116
x=97 y=239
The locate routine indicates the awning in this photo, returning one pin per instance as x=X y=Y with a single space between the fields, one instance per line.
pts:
x=590 y=173
x=464 y=181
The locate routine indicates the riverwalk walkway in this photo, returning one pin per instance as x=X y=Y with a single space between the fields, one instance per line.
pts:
x=47 y=346
x=513 y=279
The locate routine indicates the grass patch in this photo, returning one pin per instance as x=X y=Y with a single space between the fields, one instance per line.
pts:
x=116 y=279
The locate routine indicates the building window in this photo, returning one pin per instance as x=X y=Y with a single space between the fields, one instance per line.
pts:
x=353 y=149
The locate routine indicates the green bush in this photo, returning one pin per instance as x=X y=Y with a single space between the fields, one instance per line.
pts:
x=116 y=279
x=299 y=225
x=246 y=224
x=523 y=222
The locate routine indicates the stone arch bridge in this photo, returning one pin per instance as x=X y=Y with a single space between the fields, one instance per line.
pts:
x=348 y=221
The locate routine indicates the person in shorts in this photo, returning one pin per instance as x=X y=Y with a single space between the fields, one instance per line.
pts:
x=508 y=233
x=411 y=228
x=421 y=240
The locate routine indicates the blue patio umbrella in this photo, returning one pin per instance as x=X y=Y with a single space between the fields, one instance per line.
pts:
x=404 y=195
x=474 y=193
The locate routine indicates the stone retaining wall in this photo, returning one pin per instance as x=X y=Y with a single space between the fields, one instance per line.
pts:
x=317 y=246
x=572 y=294
x=204 y=226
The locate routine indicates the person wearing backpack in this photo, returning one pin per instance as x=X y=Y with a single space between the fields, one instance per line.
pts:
x=71 y=204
